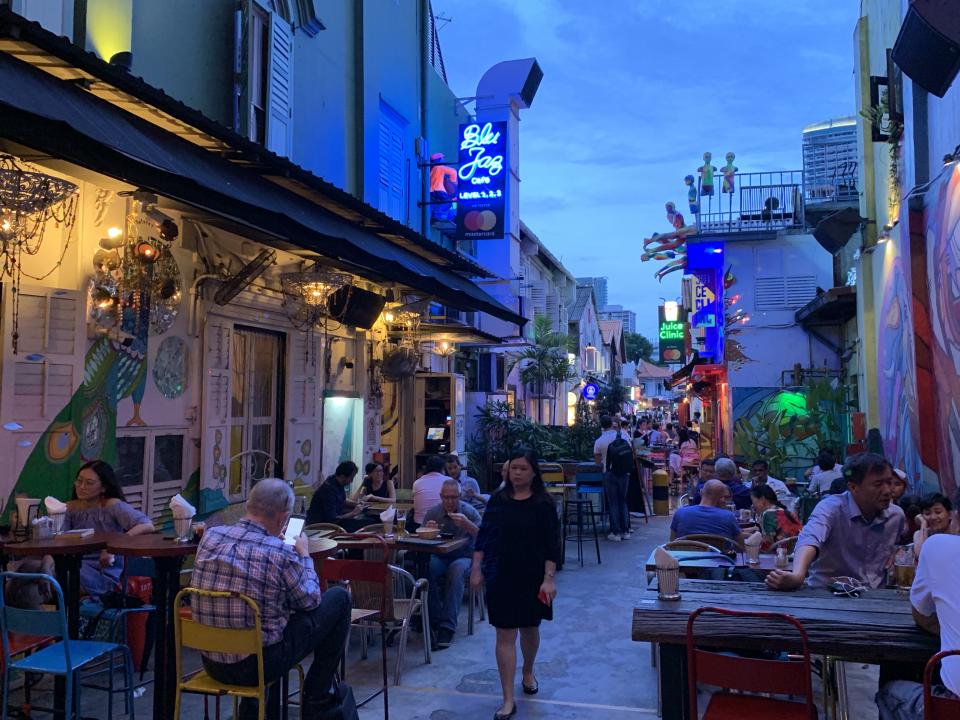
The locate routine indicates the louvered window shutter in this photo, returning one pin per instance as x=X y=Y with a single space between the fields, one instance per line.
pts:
x=391 y=131
x=280 y=89
x=302 y=424
x=215 y=414
x=538 y=297
x=39 y=381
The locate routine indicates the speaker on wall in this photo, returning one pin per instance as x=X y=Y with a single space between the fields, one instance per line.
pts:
x=928 y=46
x=355 y=306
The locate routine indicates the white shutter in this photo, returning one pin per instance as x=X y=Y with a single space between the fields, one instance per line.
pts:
x=538 y=297
x=280 y=86
x=770 y=293
x=801 y=289
x=39 y=381
x=215 y=414
x=391 y=130
x=459 y=440
x=301 y=464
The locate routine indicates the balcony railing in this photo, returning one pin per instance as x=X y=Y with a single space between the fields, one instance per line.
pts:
x=760 y=201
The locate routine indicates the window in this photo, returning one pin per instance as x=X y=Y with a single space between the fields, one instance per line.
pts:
x=590 y=359
x=150 y=467
x=392 y=176
x=258 y=63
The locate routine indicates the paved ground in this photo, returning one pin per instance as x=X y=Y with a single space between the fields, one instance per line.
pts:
x=588 y=667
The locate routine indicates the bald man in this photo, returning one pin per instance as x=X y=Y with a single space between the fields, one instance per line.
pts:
x=710 y=517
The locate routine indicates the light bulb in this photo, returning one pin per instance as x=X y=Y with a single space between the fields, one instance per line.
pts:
x=388 y=317
x=6 y=226
x=114 y=232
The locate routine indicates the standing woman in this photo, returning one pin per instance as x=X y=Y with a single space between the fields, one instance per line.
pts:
x=516 y=553
x=98 y=503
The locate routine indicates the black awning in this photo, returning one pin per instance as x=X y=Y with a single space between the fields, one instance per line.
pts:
x=836 y=306
x=63 y=120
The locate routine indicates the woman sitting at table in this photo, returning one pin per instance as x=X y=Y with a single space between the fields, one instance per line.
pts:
x=375 y=485
x=777 y=522
x=98 y=503
x=934 y=519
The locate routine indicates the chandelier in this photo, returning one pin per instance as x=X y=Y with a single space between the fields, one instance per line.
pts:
x=403 y=323
x=306 y=295
x=29 y=199
x=444 y=348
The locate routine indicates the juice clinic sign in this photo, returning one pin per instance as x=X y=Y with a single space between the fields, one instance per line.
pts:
x=481 y=181
x=670 y=339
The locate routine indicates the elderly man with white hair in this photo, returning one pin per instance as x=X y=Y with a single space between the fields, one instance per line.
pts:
x=252 y=558
x=727 y=473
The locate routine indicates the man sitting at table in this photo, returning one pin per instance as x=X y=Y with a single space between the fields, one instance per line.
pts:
x=727 y=473
x=710 y=517
x=426 y=488
x=469 y=487
x=449 y=571
x=330 y=503
x=935 y=601
x=760 y=474
x=853 y=534
x=251 y=558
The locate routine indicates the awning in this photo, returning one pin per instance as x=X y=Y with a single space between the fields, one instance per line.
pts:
x=833 y=307
x=58 y=118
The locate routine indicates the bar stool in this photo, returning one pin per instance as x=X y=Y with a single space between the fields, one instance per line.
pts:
x=584 y=511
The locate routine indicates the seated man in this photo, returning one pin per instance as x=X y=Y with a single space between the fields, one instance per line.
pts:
x=426 y=488
x=853 y=534
x=330 y=503
x=726 y=472
x=458 y=518
x=824 y=473
x=710 y=517
x=251 y=558
x=935 y=600
x=469 y=487
x=760 y=474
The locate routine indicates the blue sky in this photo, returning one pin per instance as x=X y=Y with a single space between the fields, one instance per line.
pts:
x=633 y=94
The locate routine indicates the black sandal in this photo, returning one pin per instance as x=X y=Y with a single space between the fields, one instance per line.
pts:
x=530 y=689
x=500 y=716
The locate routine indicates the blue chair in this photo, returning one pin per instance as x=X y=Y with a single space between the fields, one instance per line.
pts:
x=66 y=657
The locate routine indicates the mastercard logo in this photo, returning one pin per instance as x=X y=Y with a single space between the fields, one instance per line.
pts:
x=671 y=354
x=480 y=220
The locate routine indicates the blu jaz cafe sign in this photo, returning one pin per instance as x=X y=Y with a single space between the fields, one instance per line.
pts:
x=481 y=194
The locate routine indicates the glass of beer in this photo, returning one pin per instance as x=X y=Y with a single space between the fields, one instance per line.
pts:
x=401 y=523
x=904 y=569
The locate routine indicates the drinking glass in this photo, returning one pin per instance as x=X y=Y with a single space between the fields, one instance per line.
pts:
x=401 y=523
x=388 y=527
x=57 y=519
x=904 y=568
x=753 y=554
x=182 y=527
x=668 y=583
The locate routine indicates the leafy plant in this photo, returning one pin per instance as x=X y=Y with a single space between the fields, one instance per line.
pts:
x=543 y=363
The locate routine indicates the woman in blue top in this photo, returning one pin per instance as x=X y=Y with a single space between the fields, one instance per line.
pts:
x=98 y=503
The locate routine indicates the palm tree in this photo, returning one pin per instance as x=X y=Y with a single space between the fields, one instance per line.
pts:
x=544 y=360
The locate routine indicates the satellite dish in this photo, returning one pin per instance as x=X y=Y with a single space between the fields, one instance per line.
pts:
x=400 y=362
x=233 y=286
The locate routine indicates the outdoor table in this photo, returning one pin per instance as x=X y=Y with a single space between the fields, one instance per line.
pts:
x=693 y=562
x=875 y=627
x=167 y=556
x=412 y=544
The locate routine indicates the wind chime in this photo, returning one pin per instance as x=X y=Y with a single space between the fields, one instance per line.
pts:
x=30 y=199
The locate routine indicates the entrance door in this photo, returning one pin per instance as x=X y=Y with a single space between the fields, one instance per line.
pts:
x=256 y=440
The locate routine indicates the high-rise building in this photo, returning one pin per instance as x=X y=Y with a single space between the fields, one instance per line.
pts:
x=599 y=288
x=627 y=318
x=830 y=161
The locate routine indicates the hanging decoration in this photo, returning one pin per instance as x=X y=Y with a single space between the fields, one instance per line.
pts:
x=306 y=295
x=29 y=200
x=669 y=246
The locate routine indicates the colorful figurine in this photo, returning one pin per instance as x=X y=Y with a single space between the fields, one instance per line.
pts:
x=673 y=216
x=706 y=175
x=729 y=173
x=693 y=197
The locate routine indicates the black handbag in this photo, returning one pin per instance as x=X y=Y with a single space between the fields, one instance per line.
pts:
x=346 y=707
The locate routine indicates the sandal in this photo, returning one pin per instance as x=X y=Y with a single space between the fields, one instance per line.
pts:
x=530 y=689
x=505 y=716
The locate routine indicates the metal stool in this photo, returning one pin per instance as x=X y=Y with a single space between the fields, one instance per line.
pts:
x=583 y=510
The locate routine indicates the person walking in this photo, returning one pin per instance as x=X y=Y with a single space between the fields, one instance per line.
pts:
x=614 y=453
x=516 y=554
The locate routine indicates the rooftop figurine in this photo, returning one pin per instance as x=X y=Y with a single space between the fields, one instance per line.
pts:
x=706 y=175
x=693 y=197
x=729 y=174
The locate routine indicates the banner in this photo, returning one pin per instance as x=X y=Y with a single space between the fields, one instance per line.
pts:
x=482 y=181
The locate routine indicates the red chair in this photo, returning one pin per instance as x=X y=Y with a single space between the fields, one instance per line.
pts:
x=369 y=579
x=753 y=675
x=938 y=708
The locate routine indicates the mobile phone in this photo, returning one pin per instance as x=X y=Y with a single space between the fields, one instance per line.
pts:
x=542 y=597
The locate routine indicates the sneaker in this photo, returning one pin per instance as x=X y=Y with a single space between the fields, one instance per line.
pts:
x=627 y=535
x=444 y=638
x=613 y=537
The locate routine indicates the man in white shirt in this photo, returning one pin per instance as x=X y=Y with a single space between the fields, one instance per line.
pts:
x=426 y=488
x=824 y=473
x=935 y=600
x=759 y=474
x=607 y=435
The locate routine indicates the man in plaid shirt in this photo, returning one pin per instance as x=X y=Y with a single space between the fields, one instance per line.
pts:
x=251 y=558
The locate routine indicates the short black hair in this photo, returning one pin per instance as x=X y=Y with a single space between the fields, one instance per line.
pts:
x=348 y=468
x=605 y=422
x=370 y=467
x=764 y=463
x=655 y=426
x=932 y=499
x=452 y=459
x=862 y=464
x=435 y=463
x=708 y=461
x=910 y=504
x=826 y=460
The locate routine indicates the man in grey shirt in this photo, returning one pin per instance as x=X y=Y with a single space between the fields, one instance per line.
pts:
x=457 y=518
x=469 y=487
x=853 y=534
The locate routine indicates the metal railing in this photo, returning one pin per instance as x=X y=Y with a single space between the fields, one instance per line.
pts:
x=759 y=201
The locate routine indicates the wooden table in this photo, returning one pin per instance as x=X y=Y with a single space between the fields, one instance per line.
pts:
x=694 y=562
x=394 y=542
x=875 y=627
x=167 y=555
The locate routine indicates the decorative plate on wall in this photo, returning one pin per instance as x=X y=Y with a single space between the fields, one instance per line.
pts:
x=170 y=367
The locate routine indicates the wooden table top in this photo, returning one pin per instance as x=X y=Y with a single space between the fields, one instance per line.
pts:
x=398 y=543
x=149 y=545
x=705 y=559
x=876 y=626
x=61 y=545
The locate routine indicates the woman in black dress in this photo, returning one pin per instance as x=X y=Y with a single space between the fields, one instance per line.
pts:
x=375 y=485
x=516 y=554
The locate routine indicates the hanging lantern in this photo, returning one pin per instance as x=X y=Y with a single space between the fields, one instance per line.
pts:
x=306 y=294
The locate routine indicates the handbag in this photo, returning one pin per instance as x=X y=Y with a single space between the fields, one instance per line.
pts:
x=346 y=705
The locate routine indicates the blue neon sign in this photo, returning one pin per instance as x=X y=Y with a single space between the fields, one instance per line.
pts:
x=481 y=194
x=590 y=391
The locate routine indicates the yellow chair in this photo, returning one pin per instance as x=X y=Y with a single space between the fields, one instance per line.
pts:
x=191 y=634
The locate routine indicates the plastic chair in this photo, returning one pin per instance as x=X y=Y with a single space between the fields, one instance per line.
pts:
x=326 y=528
x=725 y=544
x=685 y=544
x=191 y=634
x=63 y=657
x=370 y=584
x=934 y=707
x=749 y=675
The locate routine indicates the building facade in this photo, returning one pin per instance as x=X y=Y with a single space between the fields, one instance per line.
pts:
x=627 y=318
x=599 y=285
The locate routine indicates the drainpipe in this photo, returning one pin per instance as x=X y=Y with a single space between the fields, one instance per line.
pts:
x=194 y=307
x=425 y=47
x=359 y=118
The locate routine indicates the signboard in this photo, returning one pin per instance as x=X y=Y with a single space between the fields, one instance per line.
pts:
x=705 y=263
x=590 y=391
x=671 y=339
x=482 y=181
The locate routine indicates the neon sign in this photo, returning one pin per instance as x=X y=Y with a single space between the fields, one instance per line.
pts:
x=482 y=180
x=671 y=335
x=590 y=391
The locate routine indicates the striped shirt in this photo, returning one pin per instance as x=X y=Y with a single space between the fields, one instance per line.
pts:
x=244 y=558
